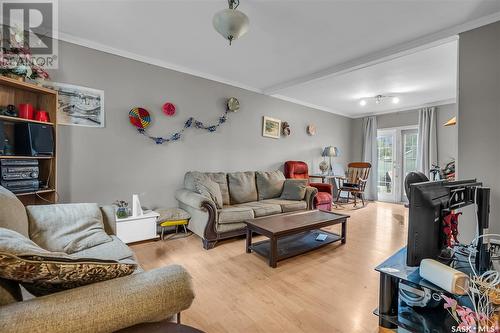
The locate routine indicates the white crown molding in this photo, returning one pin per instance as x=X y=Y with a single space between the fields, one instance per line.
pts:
x=408 y=108
x=310 y=105
x=152 y=61
x=407 y=48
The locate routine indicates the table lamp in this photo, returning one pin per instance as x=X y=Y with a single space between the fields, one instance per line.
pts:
x=330 y=151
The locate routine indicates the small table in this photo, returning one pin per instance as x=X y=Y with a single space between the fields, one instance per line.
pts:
x=293 y=234
x=137 y=228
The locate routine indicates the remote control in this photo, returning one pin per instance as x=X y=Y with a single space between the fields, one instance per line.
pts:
x=321 y=237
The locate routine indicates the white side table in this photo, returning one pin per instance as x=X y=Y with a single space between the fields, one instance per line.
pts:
x=137 y=228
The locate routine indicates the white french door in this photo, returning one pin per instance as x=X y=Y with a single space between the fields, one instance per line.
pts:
x=397 y=156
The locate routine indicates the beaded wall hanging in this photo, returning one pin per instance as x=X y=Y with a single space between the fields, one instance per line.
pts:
x=140 y=118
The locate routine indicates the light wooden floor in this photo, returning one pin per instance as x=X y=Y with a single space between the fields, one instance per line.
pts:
x=333 y=289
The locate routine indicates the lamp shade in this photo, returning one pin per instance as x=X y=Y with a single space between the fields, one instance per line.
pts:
x=231 y=23
x=330 y=151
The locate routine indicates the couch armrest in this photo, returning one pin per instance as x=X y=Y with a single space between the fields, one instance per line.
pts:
x=109 y=219
x=310 y=194
x=203 y=215
x=322 y=187
x=104 y=307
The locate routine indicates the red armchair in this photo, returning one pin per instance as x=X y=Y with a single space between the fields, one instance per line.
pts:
x=299 y=170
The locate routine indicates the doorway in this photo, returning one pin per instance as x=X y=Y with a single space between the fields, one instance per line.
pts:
x=397 y=156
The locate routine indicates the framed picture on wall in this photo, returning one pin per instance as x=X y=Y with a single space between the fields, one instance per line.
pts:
x=271 y=127
x=78 y=106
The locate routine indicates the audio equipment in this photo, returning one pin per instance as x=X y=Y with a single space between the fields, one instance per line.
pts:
x=33 y=139
x=443 y=276
x=20 y=186
x=19 y=172
x=20 y=175
x=2 y=139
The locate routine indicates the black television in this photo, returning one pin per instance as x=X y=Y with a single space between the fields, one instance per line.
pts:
x=425 y=239
x=429 y=202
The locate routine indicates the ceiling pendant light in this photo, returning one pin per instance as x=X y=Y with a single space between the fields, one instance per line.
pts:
x=231 y=23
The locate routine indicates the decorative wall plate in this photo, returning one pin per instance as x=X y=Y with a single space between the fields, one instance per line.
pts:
x=233 y=104
x=139 y=117
x=168 y=109
x=311 y=129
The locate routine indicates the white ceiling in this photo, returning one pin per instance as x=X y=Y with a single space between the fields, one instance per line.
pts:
x=417 y=79
x=289 y=43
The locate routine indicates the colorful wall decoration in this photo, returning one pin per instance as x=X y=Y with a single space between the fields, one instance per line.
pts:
x=140 y=118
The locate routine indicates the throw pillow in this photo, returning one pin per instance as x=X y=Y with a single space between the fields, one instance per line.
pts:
x=43 y=272
x=67 y=228
x=294 y=189
x=211 y=190
x=269 y=184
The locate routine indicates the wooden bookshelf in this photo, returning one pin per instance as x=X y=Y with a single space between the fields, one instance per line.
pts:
x=17 y=92
x=22 y=120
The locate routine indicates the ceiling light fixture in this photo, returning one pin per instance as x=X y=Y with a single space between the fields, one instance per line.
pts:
x=379 y=99
x=231 y=23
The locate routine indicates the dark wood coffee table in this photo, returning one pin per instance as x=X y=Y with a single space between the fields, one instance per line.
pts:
x=293 y=234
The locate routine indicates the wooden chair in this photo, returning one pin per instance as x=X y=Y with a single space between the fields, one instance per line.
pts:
x=355 y=181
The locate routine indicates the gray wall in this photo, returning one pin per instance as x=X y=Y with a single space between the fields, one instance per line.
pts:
x=103 y=165
x=447 y=136
x=479 y=115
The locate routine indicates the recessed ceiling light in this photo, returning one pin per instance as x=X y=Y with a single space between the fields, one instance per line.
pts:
x=362 y=102
x=395 y=100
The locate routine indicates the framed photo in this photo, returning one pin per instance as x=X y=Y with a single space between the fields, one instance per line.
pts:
x=271 y=127
x=78 y=106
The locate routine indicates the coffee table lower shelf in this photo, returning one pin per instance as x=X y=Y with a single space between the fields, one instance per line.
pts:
x=293 y=245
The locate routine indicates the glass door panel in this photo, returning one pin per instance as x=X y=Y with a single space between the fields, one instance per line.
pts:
x=386 y=154
x=409 y=140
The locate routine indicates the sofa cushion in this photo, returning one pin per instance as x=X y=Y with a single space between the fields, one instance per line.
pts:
x=269 y=184
x=294 y=189
x=114 y=250
x=262 y=208
x=242 y=187
x=67 y=228
x=210 y=189
x=288 y=205
x=12 y=212
x=43 y=272
x=192 y=177
x=234 y=214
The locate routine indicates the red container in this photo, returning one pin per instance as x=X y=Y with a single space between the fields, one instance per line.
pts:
x=42 y=115
x=26 y=111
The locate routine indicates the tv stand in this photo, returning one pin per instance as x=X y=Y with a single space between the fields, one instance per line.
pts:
x=393 y=313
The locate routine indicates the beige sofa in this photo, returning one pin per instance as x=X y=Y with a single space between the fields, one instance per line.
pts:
x=106 y=306
x=246 y=195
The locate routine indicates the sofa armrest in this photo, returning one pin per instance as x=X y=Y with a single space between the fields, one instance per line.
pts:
x=109 y=219
x=193 y=199
x=322 y=187
x=203 y=213
x=310 y=194
x=104 y=307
